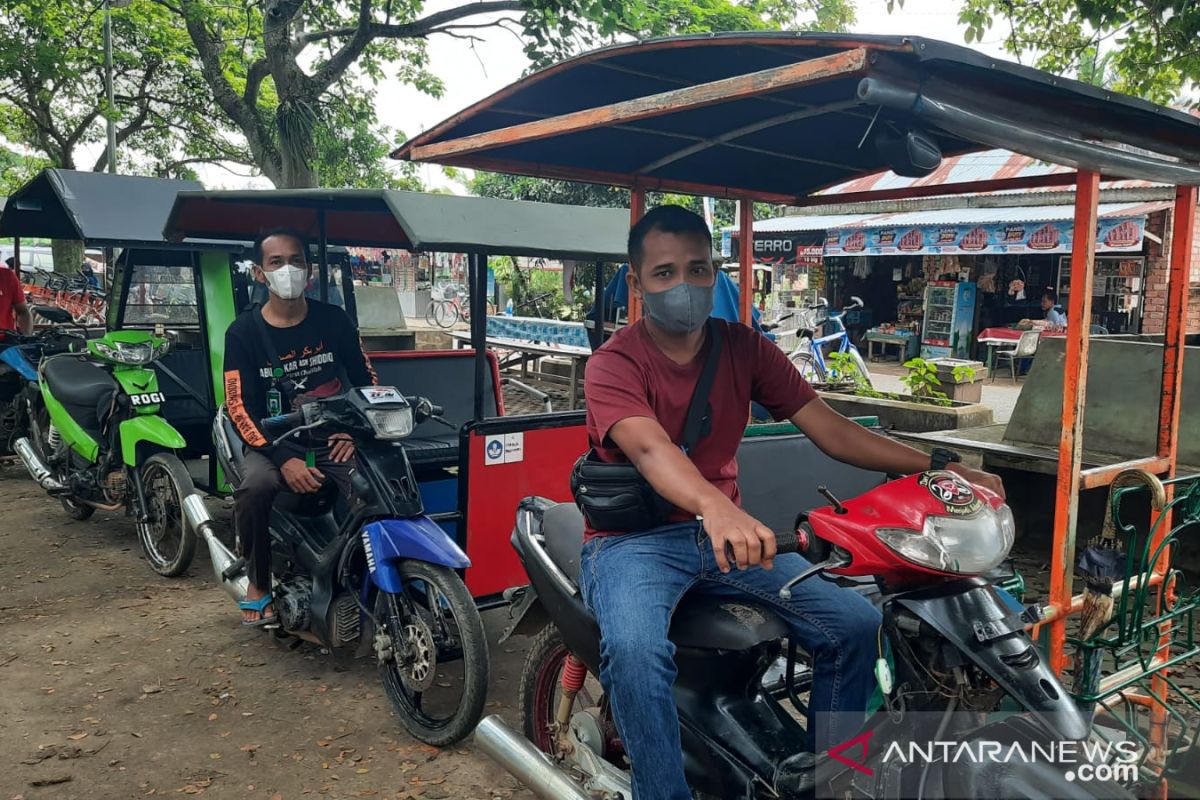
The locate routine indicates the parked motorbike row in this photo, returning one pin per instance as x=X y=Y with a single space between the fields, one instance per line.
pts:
x=371 y=571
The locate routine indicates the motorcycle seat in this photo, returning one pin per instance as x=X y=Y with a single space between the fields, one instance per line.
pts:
x=701 y=621
x=84 y=388
x=77 y=381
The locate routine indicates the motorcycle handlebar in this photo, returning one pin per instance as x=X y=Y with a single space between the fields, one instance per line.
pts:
x=281 y=422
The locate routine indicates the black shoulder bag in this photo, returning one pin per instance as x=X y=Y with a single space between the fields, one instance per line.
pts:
x=615 y=496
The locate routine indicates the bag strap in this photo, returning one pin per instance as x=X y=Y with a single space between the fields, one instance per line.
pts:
x=276 y=365
x=699 y=410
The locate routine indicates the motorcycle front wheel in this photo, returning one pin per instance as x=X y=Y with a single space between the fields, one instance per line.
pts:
x=432 y=653
x=168 y=542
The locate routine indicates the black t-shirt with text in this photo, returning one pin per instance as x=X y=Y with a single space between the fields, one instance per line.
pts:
x=320 y=357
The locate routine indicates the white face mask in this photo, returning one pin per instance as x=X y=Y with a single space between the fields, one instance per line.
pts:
x=288 y=282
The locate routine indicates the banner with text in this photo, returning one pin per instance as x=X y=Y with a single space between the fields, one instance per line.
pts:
x=1113 y=235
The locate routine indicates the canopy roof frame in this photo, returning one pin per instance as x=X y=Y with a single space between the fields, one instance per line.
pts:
x=966 y=100
x=97 y=208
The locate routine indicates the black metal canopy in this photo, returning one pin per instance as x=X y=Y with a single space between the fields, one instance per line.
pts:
x=96 y=207
x=406 y=220
x=779 y=115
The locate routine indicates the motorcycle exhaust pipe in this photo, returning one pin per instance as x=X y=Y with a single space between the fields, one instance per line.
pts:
x=525 y=762
x=37 y=469
x=229 y=571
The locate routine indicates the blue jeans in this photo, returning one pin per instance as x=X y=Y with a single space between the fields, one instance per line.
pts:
x=632 y=584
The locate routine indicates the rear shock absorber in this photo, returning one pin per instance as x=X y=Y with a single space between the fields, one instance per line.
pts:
x=573 y=676
x=53 y=438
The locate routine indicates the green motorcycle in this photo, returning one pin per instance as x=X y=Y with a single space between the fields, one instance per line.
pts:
x=97 y=441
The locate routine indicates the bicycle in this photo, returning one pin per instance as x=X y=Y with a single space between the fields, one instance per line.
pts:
x=454 y=304
x=808 y=356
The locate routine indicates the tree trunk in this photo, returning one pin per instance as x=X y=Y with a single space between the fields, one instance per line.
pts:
x=298 y=172
x=68 y=256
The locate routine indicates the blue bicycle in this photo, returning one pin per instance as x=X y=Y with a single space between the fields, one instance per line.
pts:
x=820 y=333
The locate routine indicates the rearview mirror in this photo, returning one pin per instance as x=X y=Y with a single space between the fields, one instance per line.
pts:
x=59 y=316
x=911 y=154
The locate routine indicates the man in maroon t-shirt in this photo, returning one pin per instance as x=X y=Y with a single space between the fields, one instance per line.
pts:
x=638 y=387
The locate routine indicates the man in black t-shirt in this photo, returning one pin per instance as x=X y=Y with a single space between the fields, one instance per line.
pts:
x=277 y=356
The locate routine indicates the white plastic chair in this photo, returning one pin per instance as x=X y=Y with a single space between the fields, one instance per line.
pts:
x=1026 y=347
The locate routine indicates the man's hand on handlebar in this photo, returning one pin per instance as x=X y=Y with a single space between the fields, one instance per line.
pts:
x=735 y=533
x=301 y=478
x=341 y=448
x=979 y=478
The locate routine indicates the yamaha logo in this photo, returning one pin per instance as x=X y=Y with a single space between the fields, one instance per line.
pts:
x=367 y=549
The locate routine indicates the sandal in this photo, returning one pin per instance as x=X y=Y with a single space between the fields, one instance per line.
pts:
x=259 y=605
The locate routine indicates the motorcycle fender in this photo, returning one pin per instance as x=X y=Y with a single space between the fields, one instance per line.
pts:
x=152 y=430
x=141 y=385
x=14 y=358
x=71 y=431
x=1012 y=660
x=527 y=613
x=388 y=541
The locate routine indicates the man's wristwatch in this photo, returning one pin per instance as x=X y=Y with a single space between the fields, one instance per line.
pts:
x=940 y=457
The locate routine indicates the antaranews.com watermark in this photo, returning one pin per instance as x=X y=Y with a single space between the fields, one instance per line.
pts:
x=1080 y=761
x=920 y=751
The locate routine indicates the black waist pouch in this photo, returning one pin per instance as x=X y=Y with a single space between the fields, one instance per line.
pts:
x=615 y=496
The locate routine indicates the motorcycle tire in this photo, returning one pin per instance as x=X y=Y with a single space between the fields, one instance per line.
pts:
x=472 y=647
x=540 y=677
x=167 y=483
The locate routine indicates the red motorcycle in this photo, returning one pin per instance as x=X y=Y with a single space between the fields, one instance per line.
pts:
x=953 y=653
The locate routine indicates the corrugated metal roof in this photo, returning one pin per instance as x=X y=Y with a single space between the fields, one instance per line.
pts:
x=949 y=216
x=985 y=165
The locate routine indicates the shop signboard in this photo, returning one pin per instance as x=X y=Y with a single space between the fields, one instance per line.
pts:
x=1113 y=236
x=781 y=248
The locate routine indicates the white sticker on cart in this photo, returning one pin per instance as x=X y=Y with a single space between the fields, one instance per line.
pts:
x=514 y=448
x=493 y=450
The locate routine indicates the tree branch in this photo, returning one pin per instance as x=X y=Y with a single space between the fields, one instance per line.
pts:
x=244 y=116
x=366 y=31
x=257 y=73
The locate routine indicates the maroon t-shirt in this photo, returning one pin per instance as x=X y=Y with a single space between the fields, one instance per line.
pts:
x=630 y=377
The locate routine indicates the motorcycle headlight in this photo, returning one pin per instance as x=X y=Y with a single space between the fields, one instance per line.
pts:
x=966 y=545
x=390 y=423
x=131 y=352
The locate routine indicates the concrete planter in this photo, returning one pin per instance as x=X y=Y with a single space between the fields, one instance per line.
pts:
x=908 y=415
x=963 y=391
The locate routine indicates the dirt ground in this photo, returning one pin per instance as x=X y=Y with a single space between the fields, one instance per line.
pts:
x=116 y=683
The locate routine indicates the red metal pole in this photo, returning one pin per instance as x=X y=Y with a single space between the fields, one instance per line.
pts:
x=1070 y=444
x=1183 y=222
x=637 y=210
x=745 y=260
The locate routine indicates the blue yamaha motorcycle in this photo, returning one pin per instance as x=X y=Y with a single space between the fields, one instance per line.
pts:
x=370 y=570
x=20 y=396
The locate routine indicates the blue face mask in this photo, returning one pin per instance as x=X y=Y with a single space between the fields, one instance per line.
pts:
x=683 y=308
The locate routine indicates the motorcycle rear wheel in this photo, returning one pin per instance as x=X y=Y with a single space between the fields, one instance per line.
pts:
x=539 y=693
x=436 y=606
x=38 y=430
x=168 y=542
